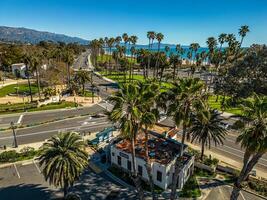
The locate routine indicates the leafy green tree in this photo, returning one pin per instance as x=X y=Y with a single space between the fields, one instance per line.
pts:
x=63 y=160
x=253 y=139
x=206 y=128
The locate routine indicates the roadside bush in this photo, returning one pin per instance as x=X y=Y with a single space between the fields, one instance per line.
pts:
x=8 y=156
x=211 y=161
x=258 y=186
x=13 y=156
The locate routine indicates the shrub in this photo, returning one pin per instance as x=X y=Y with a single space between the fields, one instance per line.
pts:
x=211 y=162
x=238 y=125
x=9 y=156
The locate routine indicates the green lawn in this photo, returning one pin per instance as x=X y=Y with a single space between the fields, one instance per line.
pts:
x=217 y=105
x=191 y=189
x=30 y=107
x=105 y=58
x=21 y=89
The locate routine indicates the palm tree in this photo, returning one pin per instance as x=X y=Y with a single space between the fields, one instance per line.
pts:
x=253 y=139
x=27 y=60
x=212 y=43
x=222 y=39
x=128 y=104
x=150 y=93
x=35 y=63
x=110 y=45
x=243 y=32
x=133 y=40
x=82 y=77
x=206 y=127
x=68 y=59
x=185 y=97
x=63 y=159
x=151 y=36
x=125 y=38
x=159 y=37
x=174 y=60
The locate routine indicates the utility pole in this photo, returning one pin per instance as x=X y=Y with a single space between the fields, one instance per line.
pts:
x=14 y=134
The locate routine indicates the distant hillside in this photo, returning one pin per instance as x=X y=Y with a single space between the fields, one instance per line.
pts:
x=24 y=35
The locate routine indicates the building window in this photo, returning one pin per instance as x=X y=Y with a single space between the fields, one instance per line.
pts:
x=159 y=176
x=119 y=160
x=129 y=165
x=140 y=170
x=113 y=154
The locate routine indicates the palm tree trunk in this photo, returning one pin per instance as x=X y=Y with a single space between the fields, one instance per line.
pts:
x=65 y=191
x=29 y=82
x=148 y=166
x=244 y=175
x=157 y=61
x=174 y=71
x=177 y=168
x=202 y=149
x=38 y=82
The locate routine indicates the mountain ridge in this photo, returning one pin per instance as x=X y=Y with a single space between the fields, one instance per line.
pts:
x=26 y=35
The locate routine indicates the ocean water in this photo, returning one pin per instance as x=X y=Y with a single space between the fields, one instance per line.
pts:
x=172 y=50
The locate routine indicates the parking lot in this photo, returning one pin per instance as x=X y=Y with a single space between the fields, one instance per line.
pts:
x=25 y=181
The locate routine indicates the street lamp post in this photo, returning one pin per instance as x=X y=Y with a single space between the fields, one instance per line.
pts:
x=14 y=134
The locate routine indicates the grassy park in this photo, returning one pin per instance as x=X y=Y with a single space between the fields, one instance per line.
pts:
x=17 y=88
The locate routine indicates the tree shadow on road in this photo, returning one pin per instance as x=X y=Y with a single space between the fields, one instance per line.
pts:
x=27 y=191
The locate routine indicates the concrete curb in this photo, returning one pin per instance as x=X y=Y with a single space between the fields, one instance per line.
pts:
x=16 y=163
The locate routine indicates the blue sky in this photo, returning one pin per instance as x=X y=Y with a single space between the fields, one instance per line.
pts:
x=181 y=22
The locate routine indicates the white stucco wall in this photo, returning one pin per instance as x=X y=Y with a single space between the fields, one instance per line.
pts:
x=166 y=170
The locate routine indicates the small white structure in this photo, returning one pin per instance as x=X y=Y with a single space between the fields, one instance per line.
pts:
x=162 y=152
x=19 y=70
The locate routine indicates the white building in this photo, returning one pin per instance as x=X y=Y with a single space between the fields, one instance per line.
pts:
x=163 y=153
x=19 y=70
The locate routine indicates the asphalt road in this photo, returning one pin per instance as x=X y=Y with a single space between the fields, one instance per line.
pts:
x=40 y=133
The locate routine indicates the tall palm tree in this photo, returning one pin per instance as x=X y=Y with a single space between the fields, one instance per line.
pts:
x=82 y=77
x=35 y=63
x=212 y=43
x=133 y=40
x=222 y=39
x=150 y=92
x=63 y=159
x=253 y=139
x=243 y=32
x=125 y=38
x=128 y=104
x=174 y=60
x=151 y=36
x=159 y=37
x=68 y=59
x=110 y=45
x=185 y=97
x=27 y=60
x=206 y=127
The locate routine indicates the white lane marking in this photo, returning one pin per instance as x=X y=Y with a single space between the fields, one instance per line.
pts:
x=38 y=169
x=20 y=118
x=241 y=194
x=65 y=129
x=16 y=170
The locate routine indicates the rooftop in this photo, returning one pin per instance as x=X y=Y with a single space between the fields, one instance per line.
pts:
x=160 y=149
